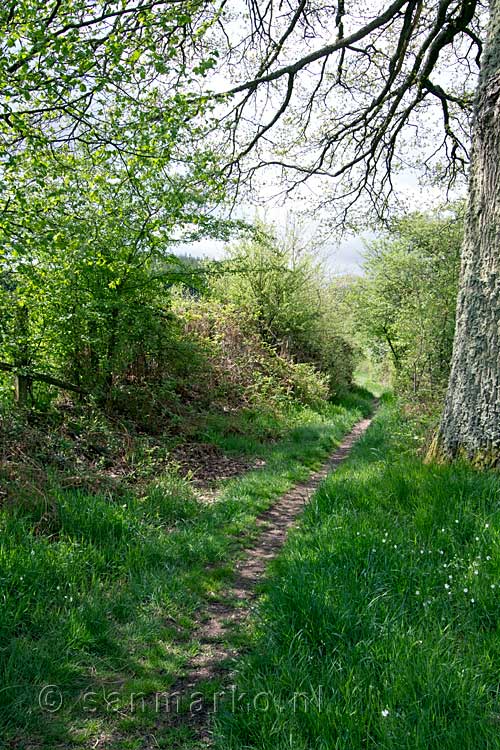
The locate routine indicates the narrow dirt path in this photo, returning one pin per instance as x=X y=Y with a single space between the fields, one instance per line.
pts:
x=211 y=660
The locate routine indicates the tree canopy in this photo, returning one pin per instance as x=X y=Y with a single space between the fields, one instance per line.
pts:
x=343 y=97
x=106 y=72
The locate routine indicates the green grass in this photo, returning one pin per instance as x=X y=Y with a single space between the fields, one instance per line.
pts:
x=368 y=375
x=386 y=604
x=100 y=592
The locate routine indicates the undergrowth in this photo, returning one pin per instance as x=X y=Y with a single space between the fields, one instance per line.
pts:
x=101 y=589
x=217 y=383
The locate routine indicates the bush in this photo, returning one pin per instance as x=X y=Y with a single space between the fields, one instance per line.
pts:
x=406 y=302
x=309 y=386
x=295 y=309
x=242 y=370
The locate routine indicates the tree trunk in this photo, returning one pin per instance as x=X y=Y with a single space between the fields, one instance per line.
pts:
x=470 y=426
x=111 y=349
x=22 y=387
x=22 y=383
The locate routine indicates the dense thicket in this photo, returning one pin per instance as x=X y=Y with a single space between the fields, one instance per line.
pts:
x=89 y=276
x=297 y=307
x=404 y=306
x=87 y=265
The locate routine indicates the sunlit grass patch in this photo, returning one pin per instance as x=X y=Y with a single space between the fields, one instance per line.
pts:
x=388 y=598
x=100 y=592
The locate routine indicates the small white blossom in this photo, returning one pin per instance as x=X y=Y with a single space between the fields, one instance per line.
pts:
x=385 y=712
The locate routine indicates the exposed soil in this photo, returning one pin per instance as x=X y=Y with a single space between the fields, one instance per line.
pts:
x=214 y=657
x=205 y=464
x=184 y=704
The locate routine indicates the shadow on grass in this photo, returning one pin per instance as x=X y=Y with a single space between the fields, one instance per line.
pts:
x=100 y=594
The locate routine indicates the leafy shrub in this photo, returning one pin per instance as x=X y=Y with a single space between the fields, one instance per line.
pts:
x=242 y=369
x=296 y=310
x=308 y=385
x=406 y=302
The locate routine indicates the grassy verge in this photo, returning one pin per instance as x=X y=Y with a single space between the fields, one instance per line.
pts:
x=379 y=627
x=100 y=592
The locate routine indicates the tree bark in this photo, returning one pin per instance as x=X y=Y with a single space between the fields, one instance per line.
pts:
x=21 y=389
x=470 y=425
x=22 y=383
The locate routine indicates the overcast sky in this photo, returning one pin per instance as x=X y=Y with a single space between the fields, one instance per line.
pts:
x=345 y=256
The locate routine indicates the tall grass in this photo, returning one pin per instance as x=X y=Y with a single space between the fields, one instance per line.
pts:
x=379 y=627
x=101 y=592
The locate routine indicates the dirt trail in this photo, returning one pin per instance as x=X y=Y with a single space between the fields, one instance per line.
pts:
x=211 y=660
